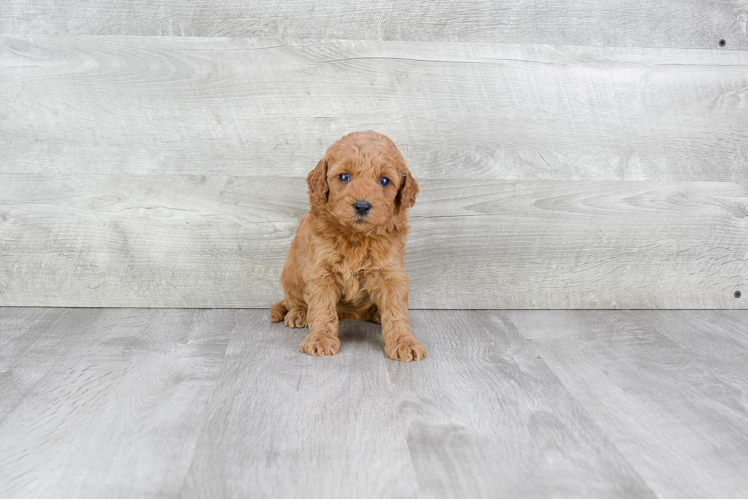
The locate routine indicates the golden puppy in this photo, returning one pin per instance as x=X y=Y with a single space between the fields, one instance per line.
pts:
x=346 y=259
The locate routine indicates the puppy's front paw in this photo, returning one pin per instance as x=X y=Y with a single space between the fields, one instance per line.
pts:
x=316 y=344
x=406 y=348
x=296 y=318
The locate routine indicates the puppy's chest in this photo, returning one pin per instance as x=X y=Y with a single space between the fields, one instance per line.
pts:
x=352 y=274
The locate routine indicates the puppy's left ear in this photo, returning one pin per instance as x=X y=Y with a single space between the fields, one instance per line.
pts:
x=317 y=182
x=406 y=195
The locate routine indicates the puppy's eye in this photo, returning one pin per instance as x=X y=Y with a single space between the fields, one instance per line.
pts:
x=344 y=177
x=384 y=181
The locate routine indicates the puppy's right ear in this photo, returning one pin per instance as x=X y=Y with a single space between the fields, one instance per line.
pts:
x=317 y=182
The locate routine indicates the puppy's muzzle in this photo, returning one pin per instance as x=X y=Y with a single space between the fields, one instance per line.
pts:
x=361 y=207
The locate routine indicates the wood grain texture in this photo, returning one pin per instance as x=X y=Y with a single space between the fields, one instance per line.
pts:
x=167 y=172
x=484 y=392
x=284 y=424
x=681 y=426
x=116 y=403
x=220 y=403
x=78 y=104
x=716 y=340
x=188 y=241
x=641 y=23
x=27 y=337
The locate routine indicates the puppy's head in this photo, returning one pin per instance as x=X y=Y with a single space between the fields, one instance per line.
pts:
x=362 y=182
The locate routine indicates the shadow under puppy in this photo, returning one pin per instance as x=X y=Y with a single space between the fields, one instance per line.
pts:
x=346 y=260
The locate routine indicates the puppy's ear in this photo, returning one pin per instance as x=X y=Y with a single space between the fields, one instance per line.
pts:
x=406 y=195
x=317 y=182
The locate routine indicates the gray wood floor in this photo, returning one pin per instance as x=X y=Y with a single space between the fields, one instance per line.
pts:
x=207 y=402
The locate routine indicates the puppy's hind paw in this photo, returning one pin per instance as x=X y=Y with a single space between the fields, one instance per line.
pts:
x=320 y=345
x=405 y=348
x=278 y=312
x=296 y=318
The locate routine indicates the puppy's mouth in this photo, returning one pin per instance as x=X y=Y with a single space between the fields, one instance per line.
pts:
x=360 y=220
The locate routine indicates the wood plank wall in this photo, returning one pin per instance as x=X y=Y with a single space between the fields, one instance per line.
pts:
x=572 y=154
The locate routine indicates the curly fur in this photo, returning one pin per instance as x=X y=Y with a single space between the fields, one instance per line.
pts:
x=342 y=265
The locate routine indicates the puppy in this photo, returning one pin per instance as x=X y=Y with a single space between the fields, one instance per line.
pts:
x=346 y=260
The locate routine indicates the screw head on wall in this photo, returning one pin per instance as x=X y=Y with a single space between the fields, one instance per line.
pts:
x=737 y=294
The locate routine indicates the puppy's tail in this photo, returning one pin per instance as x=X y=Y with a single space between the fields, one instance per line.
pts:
x=278 y=312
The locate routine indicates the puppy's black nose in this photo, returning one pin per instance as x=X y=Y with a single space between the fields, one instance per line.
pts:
x=361 y=207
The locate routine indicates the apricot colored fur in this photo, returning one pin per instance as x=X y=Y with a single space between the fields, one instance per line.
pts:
x=345 y=266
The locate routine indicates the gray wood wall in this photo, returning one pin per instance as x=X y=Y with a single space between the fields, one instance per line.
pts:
x=575 y=154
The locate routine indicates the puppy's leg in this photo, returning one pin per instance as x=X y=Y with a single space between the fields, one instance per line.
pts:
x=293 y=290
x=322 y=298
x=391 y=297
